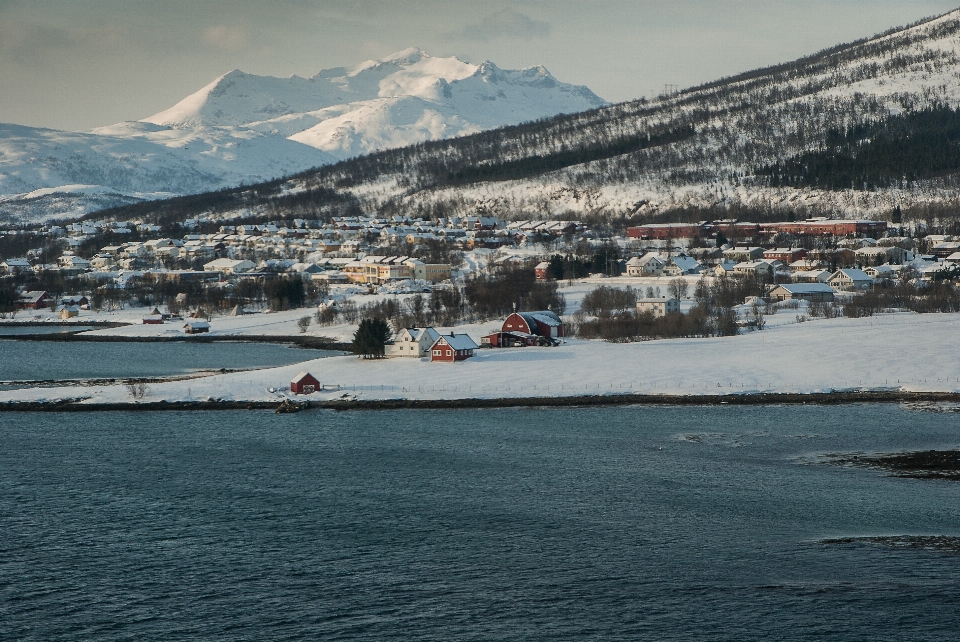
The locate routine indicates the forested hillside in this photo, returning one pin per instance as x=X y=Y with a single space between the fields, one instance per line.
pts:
x=859 y=129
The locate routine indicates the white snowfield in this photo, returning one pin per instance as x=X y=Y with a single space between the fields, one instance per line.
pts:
x=243 y=128
x=901 y=351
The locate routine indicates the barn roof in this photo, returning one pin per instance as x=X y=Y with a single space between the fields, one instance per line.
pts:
x=545 y=317
x=303 y=375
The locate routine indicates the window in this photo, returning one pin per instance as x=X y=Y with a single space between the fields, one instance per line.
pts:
x=437 y=353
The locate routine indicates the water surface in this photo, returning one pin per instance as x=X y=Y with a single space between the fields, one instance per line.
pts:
x=25 y=330
x=47 y=360
x=514 y=524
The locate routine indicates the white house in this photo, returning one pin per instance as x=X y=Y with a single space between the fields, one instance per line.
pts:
x=412 y=342
x=754 y=267
x=850 y=280
x=229 y=266
x=650 y=264
x=880 y=271
x=16 y=266
x=724 y=268
x=658 y=306
x=680 y=265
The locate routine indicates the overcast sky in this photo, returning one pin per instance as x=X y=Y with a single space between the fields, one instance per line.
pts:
x=78 y=64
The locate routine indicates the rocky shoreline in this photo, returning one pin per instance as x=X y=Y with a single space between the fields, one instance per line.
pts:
x=352 y=403
x=925 y=464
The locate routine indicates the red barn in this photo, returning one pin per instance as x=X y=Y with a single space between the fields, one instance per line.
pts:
x=509 y=339
x=304 y=384
x=452 y=347
x=543 y=323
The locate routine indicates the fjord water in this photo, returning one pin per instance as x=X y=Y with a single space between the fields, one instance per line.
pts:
x=59 y=360
x=651 y=523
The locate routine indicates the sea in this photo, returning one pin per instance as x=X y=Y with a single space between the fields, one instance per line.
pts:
x=25 y=361
x=621 y=523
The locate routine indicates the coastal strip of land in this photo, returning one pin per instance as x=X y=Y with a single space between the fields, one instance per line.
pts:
x=352 y=403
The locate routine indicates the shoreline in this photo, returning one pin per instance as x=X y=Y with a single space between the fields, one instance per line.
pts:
x=60 y=323
x=295 y=405
x=308 y=342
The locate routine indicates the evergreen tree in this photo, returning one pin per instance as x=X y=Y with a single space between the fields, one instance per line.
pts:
x=370 y=339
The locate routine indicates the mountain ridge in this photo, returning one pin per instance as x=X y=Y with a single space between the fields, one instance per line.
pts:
x=242 y=128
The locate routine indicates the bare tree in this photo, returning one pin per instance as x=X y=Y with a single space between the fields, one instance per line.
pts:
x=678 y=288
x=303 y=323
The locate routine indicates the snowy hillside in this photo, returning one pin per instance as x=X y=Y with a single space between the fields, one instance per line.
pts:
x=696 y=153
x=47 y=173
x=243 y=128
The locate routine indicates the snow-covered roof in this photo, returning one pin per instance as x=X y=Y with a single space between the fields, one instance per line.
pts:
x=458 y=341
x=804 y=288
x=851 y=273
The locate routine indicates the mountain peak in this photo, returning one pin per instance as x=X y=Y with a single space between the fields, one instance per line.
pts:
x=410 y=54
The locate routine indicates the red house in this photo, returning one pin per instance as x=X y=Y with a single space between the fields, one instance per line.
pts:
x=543 y=323
x=34 y=300
x=452 y=347
x=304 y=384
x=542 y=271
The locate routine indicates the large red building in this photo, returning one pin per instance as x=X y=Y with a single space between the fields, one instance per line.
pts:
x=810 y=227
x=659 y=231
x=543 y=323
x=826 y=227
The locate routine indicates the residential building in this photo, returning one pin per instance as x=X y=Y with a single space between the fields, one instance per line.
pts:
x=412 y=342
x=814 y=292
x=658 y=306
x=452 y=347
x=850 y=280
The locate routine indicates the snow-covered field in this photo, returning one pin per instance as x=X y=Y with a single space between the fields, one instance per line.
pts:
x=896 y=351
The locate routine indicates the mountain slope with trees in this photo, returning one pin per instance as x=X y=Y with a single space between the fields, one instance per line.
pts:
x=708 y=150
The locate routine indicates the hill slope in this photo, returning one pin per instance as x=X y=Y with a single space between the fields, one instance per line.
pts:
x=708 y=148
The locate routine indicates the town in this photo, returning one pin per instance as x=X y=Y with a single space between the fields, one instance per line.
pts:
x=541 y=281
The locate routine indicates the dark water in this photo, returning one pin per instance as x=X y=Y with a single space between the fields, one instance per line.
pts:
x=23 y=330
x=46 y=360
x=596 y=524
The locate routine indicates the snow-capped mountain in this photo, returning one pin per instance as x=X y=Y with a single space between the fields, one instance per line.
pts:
x=406 y=98
x=243 y=128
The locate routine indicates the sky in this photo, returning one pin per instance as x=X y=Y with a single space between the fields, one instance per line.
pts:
x=80 y=64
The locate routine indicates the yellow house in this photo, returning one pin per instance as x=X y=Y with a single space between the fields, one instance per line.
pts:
x=69 y=311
